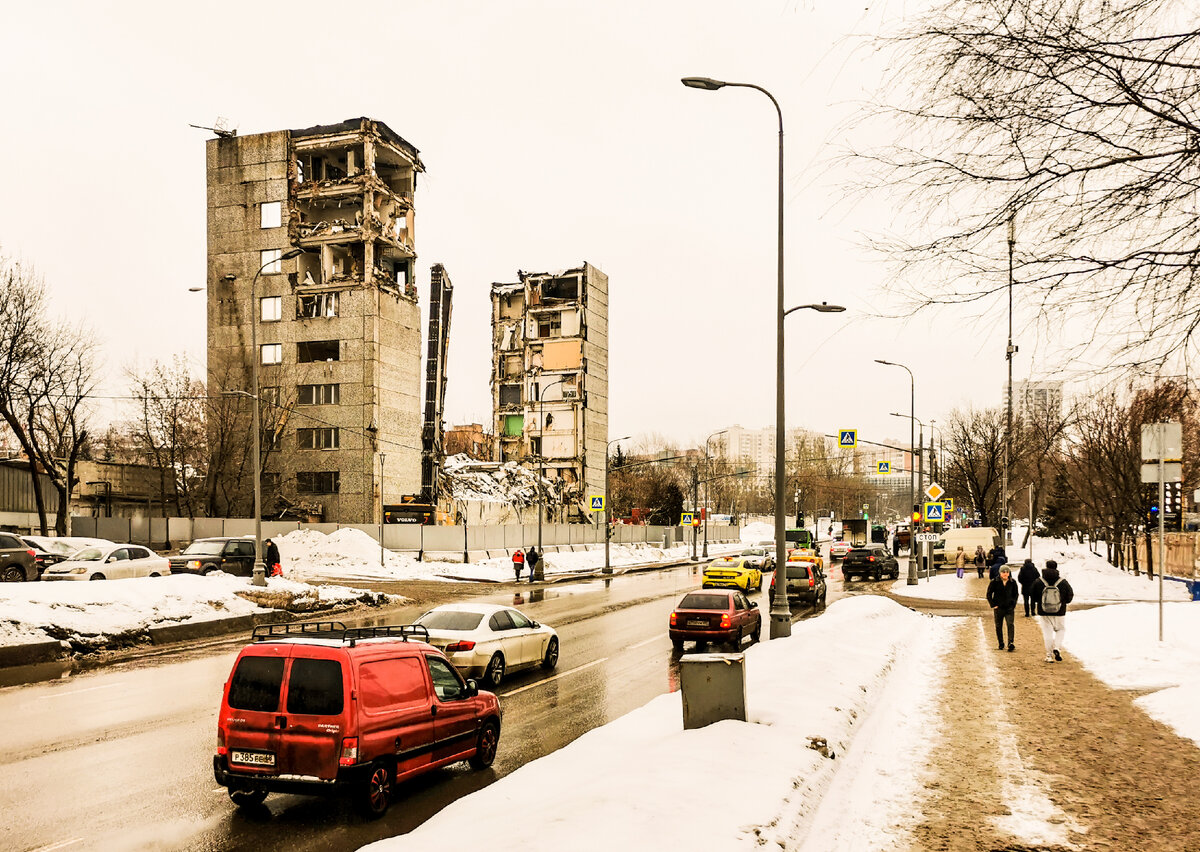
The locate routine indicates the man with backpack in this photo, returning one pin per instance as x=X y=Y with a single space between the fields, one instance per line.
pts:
x=1052 y=593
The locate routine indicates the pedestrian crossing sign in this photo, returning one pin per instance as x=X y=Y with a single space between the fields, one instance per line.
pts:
x=597 y=501
x=847 y=437
x=884 y=467
x=949 y=501
x=934 y=512
x=685 y=519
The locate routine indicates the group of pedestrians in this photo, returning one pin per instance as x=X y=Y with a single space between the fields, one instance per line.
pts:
x=521 y=558
x=1046 y=595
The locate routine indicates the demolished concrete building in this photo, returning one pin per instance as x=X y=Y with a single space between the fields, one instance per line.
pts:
x=550 y=379
x=311 y=250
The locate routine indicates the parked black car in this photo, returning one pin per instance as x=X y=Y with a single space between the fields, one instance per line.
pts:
x=206 y=555
x=16 y=560
x=873 y=561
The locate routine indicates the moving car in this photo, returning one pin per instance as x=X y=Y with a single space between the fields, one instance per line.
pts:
x=209 y=555
x=489 y=641
x=316 y=708
x=732 y=572
x=805 y=582
x=805 y=554
x=17 y=561
x=759 y=557
x=873 y=561
x=714 y=616
x=109 y=562
x=839 y=549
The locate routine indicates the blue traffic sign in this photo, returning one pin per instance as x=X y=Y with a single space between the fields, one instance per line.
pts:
x=934 y=512
x=847 y=437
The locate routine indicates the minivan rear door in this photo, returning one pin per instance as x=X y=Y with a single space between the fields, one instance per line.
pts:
x=252 y=710
x=314 y=715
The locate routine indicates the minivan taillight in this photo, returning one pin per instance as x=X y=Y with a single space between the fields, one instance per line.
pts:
x=812 y=582
x=459 y=646
x=221 y=749
x=349 y=755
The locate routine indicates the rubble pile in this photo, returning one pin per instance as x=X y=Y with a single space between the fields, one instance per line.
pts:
x=465 y=478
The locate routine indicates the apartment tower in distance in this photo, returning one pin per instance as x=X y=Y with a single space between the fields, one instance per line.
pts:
x=310 y=237
x=550 y=378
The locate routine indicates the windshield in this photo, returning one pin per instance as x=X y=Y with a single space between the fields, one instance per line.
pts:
x=204 y=548
x=450 y=619
x=88 y=554
x=754 y=551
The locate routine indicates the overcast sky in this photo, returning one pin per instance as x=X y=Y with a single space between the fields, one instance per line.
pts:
x=552 y=133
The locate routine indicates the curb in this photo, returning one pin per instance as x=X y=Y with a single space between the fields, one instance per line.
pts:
x=32 y=653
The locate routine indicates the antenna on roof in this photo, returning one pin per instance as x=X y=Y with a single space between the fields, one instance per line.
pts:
x=220 y=127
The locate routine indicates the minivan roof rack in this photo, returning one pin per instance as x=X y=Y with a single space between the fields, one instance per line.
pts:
x=338 y=630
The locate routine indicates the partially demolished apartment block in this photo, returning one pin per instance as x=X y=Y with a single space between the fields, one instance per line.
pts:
x=338 y=326
x=550 y=342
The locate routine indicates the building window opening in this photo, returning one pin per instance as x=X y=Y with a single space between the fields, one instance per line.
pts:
x=318 y=481
x=550 y=326
x=318 y=394
x=317 y=305
x=510 y=395
x=271 y=261
x=317 y=439
x=561 y=288
x=271 y=309
x=309 y=351
x=272 y=353
x=271 y=214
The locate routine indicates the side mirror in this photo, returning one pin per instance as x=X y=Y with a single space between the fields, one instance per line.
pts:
x=753 y=605
x=472 y=687
x=534 y=625
x=111 y=559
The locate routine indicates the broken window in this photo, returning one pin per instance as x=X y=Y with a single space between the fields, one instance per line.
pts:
x=549 y=325
x=271 y=214
x=317 y=305
x=510 y=395
x=318 y=394
x=561 y=288
x=271 y=308
x=535 y=446
x=317 y=439
x=317 y=481
x=269 y=396
x=309 y=351
x=272 y=353
x=514 y=425
x=271 y=260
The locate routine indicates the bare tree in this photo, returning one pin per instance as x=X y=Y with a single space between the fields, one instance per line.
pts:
x=1079 y=119
x=975 y=459
x=170 y=432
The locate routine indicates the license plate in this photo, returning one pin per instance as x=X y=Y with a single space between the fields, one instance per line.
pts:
x=695 y=623
x=252 y=758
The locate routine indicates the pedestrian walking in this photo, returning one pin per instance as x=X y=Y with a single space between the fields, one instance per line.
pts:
x=518 y=564
x=532 y=558
x=1052 y=593
x=274 y=566
x=1002 y=597
x=980 y=560
x=996 y=558
x=1025 y=577
x=960 y=562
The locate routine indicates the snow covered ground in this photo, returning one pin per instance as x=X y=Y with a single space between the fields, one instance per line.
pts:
x=95 y=613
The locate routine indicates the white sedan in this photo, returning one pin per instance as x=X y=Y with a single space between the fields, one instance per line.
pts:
x=109 y=562
x=486 y=641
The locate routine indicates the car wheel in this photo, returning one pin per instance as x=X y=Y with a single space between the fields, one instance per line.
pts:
x=736 y=641
x=247 y=798
x=705 y=586
x=551 y=659
x=155 y=574
x=494 y=673
x=677 y=644
x=209 y=570
x=485 y=746
x=756 y=636
x=700 y=643
x=97 y=577
x=375 y=794
x=14 y=574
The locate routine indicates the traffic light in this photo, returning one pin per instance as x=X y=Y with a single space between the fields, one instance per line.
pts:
x=1004 y=523
x=1172 y=506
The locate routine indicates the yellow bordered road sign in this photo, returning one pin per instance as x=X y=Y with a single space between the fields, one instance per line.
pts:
x=847 y=437
x=597 y=501
x=934 y=512
x=883 y=467
x=686 y=519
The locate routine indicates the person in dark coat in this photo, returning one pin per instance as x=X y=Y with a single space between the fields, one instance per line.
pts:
x=274 y=566
x=1002 y=597
x=996 y=558
x=980 y=560
x=1026 y=577
x=532 y=558
x=1054 y=624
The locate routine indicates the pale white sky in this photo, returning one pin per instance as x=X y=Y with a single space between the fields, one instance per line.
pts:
x=553 y=133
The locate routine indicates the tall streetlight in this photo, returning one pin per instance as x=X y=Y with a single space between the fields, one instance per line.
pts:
x=538 y=571
x=912 y=492
x=708 y=468
x=608 y=505
x=781 y=616
x=382 y=458
x=1009 y=351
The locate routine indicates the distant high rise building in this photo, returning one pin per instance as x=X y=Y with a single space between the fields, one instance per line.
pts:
x=1034 y=400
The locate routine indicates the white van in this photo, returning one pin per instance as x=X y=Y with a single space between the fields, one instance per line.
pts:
x=968 y=538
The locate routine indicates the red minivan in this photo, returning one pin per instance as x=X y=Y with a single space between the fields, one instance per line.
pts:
x=317 y=707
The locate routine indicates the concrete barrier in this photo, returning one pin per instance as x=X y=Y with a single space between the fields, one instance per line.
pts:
x=33 y=652
x=204 y=629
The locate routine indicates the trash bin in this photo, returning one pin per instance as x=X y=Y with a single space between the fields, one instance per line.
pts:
x=713 y=687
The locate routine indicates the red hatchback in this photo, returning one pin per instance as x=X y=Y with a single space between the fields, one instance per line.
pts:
x=714 y=615
x=315 y=707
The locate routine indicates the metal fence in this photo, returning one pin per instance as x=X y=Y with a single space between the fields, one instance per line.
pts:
x=466 y=541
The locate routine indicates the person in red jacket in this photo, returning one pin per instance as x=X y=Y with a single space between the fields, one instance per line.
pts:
x=518 y=564
x=1002 y=594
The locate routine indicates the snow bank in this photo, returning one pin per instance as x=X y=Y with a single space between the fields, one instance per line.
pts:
x=633 y=784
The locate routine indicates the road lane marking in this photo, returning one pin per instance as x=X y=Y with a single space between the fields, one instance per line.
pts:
x=557 y=676
x=62 y=844
x=648 y=641
x=60 y=693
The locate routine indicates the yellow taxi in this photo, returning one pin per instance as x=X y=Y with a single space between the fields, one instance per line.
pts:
x=807 y=554
x=732 y=572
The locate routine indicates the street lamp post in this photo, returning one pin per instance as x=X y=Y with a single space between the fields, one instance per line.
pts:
x=608 y=506
x=708 y=468
x=912 y=492
x=382 y=457
x=538 y=571
x=1009 y=351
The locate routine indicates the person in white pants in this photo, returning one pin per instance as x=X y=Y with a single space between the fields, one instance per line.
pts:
x=1052 y=593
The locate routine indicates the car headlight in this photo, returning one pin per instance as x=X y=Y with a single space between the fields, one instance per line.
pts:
x=193 y=564
x=80 y=570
